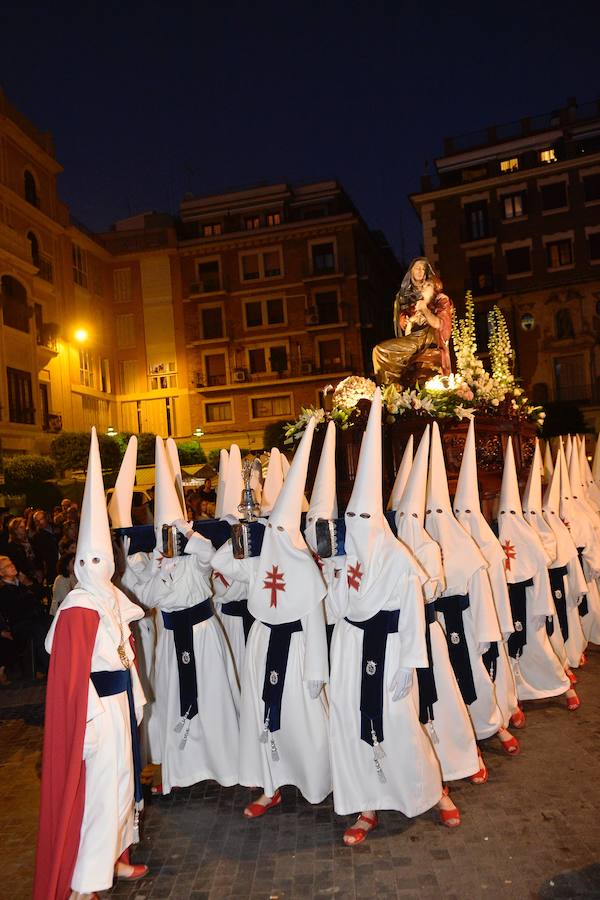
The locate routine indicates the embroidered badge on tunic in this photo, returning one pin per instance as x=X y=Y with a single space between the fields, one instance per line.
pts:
x=518 y=626
x=274 y=677
x=185 y=657
x=371 y=667
x=558 y=594
x=455 y=637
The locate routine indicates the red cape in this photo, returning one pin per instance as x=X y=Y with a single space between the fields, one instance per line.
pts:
x=63 y=768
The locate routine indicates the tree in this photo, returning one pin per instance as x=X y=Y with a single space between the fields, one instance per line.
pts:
x=190 y=452
x=563 y=417
x=274 y=435
x=70 y=450
x=30 y=475
x=146 y=446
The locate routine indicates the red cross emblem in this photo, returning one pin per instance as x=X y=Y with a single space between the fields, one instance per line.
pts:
x=354 y=576
x=274 y=582
x=221 y=578
x=509 y=552
x=318 y=560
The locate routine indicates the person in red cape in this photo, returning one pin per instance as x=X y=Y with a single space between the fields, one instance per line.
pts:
x=90 y=793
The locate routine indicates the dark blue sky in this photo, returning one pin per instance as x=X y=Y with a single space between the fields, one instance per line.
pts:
x=147 y=102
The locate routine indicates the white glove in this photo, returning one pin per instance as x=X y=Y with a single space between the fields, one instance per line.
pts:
x=183 y=527
x=539 y=622
x=314 y=688
x=483 y=648
x=126 y=541
x=401 y=683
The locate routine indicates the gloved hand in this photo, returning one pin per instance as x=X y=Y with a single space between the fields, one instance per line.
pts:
x=183 y=527
x=126 y=540
x=314 y=688
x=483 y=648
x=539 y=622
x=401 y=683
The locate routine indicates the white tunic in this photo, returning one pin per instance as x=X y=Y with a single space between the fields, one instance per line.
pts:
x=107 y=824
x=211 y=748
x=302 y=739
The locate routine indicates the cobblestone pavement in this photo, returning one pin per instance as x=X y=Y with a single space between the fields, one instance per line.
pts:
x=531 y=832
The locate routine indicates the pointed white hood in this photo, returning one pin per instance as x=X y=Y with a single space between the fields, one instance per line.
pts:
x=119 y=508
x=593 y=491
x=524 y=552
x=410 y=515
x=233 y=486
x=323 y=500
x=577 y=519
x=167 y=505
x=460 y=554
x=222 y=479
x=548 y=464
x=401 y=475
x=273 y=483
x=285 y=468
x=532 y=507
x=94 y=560
x=173 y=457
x=568 y=449
x=578 y=491
x=551 y=505
x=596 y=461
x=290 y=583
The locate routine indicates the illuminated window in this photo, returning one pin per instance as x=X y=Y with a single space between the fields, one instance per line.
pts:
x=86 y=371
x=273 y=219
x=252 y=222
x=264 y=312
x=211 y=229
x=270 y=407
x=218 y=412
x=509 y=165
x=125 y=331
x=80 y=266
x=559 y=254
x=122 y=285
x=256 y=266
x=267 y=360
x=514 y=205
x=215 y=365
x=209 y=276
x=547 y=156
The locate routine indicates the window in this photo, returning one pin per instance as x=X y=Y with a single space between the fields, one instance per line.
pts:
x=79 y=266
x=209 y=276
x=20 y=397
x=162 y=382
x=476 y=220
x=15 y=309
x=273 y=218
x=267 y=360
x=211 y=229
x=211 y=323
x=482 y=327
x=481 y=270
x=251 y=223
x=86 y=372
x=569 y=375
x=323 y=258
x=594 y=244
x=559 y=254
x=215 y=365
x=30 y=188
x=514 y=205
x=547 y=156
x=34 y=247
x=270 y=407
x=264 y=312
x=518 y=260
x=330 y=355
x=218 y=412
x=105 y=376
x=256 y=266
x=122 y=285
x=564 y=324
x=326 y=303
x=591 y=187
x=553 y=196
x=509 y=165
x=257 y=359
x=125 y=327
x=278 y=359
x=45 y=404
x=128 y=375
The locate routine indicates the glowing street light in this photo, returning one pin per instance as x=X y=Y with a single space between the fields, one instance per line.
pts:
x=81 y=335
x=110 y=431
x=198 y=432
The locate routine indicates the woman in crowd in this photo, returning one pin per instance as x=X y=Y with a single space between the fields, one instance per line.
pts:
x=64 y=582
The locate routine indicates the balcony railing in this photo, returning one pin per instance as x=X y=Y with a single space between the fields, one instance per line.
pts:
x=207 y=285
x=485 y=285
x=470 y=232
x=577 y=393
x=45 y=269
x=47 y=336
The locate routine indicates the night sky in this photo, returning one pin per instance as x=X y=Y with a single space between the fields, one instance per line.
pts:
x=147 y=102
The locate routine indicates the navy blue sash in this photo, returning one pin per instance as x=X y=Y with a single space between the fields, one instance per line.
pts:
x=181 y=624
x=108 y=684
x=376 y=630
x=452 y=609
x=425 y=677
x=275 y=669
x=239 y=608
x=583 y=606
x=557 y=583
x=517 y=594
x=490 y=659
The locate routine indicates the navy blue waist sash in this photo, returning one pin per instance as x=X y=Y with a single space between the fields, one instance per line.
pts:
x=517 y=594
x=490 y=659
x=275 y=669
x=181 y=623
x=452 y=608
x=376 y=630
x=583 y=606
x=108 y=684
x=426 y=677
x=557 y=583
x=239 y=608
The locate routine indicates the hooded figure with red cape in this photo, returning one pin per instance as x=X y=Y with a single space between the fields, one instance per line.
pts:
x=90 y=793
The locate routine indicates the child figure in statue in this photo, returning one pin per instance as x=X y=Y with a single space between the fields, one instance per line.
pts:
x=422 y=322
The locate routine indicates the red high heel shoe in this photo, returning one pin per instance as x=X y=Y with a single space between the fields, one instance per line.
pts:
x=482 y=776
x=137 y=872
x=517 y=720
x=573 y=703
x=254 y=810
x=572 y=677
x=447 y=815
x=358 y=833
x=583 y=659
x=511 y=746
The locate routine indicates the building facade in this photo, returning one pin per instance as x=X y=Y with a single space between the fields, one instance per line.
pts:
x=224 y=319
x=513 y=214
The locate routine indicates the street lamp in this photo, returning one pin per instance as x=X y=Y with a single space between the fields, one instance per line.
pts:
x=198 y=433
x=81 y=335
x=110 y=431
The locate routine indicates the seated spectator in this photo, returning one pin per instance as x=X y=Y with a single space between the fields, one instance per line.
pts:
x=70 y=531
x=207 y=493
x=8 y=652
x=66 y=545
x=45 y=546
x=20 y=550
x=23 y=612
x=64 y=582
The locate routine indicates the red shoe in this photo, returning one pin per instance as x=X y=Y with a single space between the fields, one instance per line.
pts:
x=254 y=810
x=482 y=776
x=572 y=677
x=137 y=871
x=573 y=703
x=517 y=720
x=447 y=816
x=156 y=790
x=583 y=660
x=358 y=833
x=511 y=746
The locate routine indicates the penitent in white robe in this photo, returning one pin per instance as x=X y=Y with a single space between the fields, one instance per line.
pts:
x=225 y=591
x=413 y=780
x=302 y=740
x=107 y=827
x=211 y=749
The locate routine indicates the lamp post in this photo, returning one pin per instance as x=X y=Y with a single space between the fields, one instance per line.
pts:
x=198 y=433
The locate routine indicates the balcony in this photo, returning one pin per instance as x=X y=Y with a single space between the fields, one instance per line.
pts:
x=469 y=232
x=47 y=336
x=15 y=313
x=45 y=272
x=207 y=285
x=485 y=285
x=325 y=268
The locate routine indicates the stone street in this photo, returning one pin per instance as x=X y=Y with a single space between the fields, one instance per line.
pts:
x=531 y=831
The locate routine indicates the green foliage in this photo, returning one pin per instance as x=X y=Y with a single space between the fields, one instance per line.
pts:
x=563 y=418
x=190 y=452
x=213 y=456
x=146 y=446
x=274 y=435
x=70 y=450
x=22 y=470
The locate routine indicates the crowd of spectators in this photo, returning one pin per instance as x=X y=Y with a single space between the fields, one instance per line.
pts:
x=200 y=504
x=37 y=553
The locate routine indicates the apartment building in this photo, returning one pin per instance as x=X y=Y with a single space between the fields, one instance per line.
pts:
x=512 y=213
